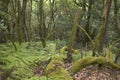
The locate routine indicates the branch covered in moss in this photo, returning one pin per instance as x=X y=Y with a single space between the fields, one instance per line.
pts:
x=81 y=63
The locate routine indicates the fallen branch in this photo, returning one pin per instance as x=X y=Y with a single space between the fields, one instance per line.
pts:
x=81 y=63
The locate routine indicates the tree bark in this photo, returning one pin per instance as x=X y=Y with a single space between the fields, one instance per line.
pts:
x=116 y=9
x=99 y=41
x=24 y=26
x=87 y=26
x=51 y=24
x=29 y=13
x=73 y=35
x=42 y=27
x=19 y=24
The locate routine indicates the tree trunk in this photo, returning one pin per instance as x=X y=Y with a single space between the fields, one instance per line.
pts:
x=31 y=32
x=105 y=23
x=116 y=9
x=87 y=26
x=24 y=26
x=42 y=27
x=19 y=24
x=51 y=23
x=73 y=35
x=99 y=40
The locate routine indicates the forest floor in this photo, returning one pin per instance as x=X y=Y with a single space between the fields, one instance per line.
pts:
x=89 y=73
x=31 y=61
x=94 y=73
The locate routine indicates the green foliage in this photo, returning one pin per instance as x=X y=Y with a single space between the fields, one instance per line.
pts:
x=37 y=78
x=28 y=56
x=60 y=43
x=76 y=57
x=20 y=59
x=2 y=27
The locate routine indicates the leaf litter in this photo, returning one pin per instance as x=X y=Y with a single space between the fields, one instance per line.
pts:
x=88 y=73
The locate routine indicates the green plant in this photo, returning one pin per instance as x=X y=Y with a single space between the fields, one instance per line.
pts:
x=28 y=56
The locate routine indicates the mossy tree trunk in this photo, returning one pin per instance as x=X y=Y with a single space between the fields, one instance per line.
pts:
x=86 y=61
x=99 y=40
x=19 y=24
x=87 y=26
x=117 y=24
x=29 y=22
x=73 y=34
x=116 y=9
x=51 y=23
x=24 y=26
x=42 y=27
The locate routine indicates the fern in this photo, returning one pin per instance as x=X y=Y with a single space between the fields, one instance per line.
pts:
x=27 y=57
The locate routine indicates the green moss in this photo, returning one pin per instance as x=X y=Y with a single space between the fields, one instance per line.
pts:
x=63 y=49
x=81 y=63
x=59 y=74
x=98 y=37
x=51 y=66
x=55 y=71
x=77 y=51
x=36 y=78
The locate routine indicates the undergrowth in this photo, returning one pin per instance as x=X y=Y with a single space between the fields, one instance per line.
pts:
x=20 y=64
x=17 y=65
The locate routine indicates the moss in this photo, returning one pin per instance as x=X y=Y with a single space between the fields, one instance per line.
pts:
x=65 y=48
x=98 y=37
x=76 y=51
x=52 y=64
x=81 y=63
x=109 y=54
x=55 y=71
x=59 y=74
